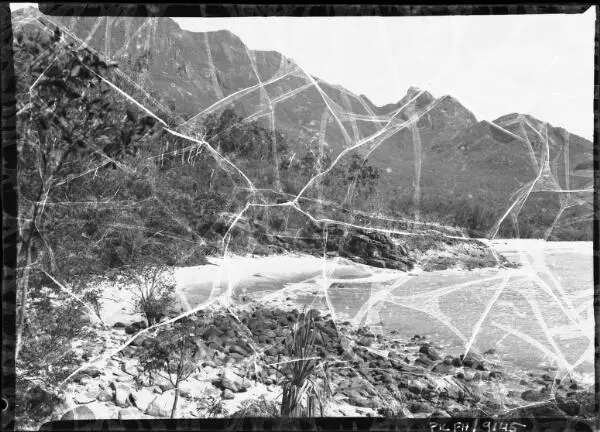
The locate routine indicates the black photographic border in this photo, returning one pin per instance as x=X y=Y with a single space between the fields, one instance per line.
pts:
x=9 y=207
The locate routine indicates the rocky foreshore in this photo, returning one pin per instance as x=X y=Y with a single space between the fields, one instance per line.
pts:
x=369 y=374
x=428 y=249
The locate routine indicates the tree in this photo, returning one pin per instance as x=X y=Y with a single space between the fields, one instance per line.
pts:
x=173 y=356
x=69 y=124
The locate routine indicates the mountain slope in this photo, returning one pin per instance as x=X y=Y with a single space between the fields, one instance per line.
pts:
x=447 y=158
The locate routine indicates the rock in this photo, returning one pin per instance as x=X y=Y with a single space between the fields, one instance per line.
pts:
x=164 y=384
x=130 y=368
x=533 y=396
x=430 y=352
x=143 y=340
x=142 y=398
x=140 y=325
x=469 y=375
x=104 y=396
x=162 y=405
x=197 y=389
x=84 y=398
x=415 y=386
x=232 y=381
x=118 y=324
x=456 y=362
x=569 y=406
x=92 y=371
x=227 y=394
x=471 y=358
x=130 y=414
x=355 y=398
x=424 y=361
x=365 y=341
x=81 y=412
x=448 y=360
x=122 y=392
x=236 y=349
x=481 y=375
x=443 y=368
x=130 y=329
x=420 y=407
x=478 y=366
x=387 y=378
x=393 y=355
x=543 y=410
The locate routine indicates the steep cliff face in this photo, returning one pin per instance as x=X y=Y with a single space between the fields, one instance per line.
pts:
x=448 y=156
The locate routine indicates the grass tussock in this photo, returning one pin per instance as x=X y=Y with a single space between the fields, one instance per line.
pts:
x=305 y=384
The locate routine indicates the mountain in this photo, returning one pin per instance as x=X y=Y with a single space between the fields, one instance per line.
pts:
x=444 y=160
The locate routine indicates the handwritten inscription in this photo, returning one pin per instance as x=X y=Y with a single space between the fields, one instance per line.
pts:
x=477 y=426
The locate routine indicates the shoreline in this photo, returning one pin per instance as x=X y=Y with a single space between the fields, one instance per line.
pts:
x=376 y=375
x=407 y=374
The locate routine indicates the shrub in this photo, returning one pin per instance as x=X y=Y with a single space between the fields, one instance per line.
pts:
x=172 y=356
x=155 y=287
x=305 y=381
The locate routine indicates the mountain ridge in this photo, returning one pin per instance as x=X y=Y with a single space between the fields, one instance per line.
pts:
x=448 y=155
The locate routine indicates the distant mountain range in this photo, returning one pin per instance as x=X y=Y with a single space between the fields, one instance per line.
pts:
x=446 y=157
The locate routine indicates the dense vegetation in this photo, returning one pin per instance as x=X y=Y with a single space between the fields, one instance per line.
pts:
x=103 y=187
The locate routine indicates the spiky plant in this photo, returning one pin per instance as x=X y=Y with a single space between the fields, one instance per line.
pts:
x=305 y=382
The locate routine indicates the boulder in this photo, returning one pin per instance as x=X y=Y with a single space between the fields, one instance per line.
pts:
x=544 y=410
x=533 y=396
x=143 y=340
x=356 y=399
x=130 y=414
x=443 y=368
x=122 y=392
x=142 y=398
x=130 y=329
x=365 y=341
x=162 y=405
x=104 y=396
x=84 y=398
x=415 y=386
x=232 y=381
x=92 y=371
x=420 y=407
x=387 y=378
x=81 y=412
x=424 y=361
x=128 y=351
x=471 y=358
x=130 y=368
x=193 y=388
x=227 y=394
x=430 y=352
x=569 y=406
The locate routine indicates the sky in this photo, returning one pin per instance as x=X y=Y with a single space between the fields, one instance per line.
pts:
x=542 y=65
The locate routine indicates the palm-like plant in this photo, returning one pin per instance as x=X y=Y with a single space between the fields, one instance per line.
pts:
x=306 y=384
